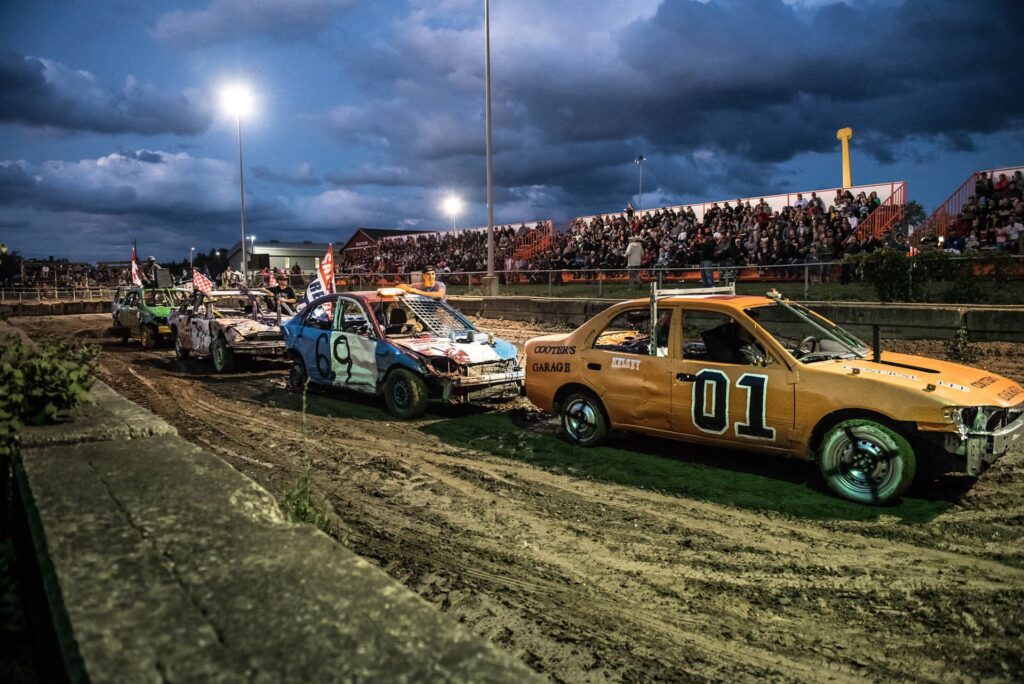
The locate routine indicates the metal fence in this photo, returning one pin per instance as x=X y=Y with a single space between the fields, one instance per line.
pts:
x=60 y=294
x=797 y=280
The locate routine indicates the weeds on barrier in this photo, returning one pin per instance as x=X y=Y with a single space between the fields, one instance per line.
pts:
x=960 y=347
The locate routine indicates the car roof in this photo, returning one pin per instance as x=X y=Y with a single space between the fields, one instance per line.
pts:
x=728 y=301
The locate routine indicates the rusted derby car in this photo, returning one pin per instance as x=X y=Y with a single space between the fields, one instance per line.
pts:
x=227 y=324
x=765 y=374
x=408 y=348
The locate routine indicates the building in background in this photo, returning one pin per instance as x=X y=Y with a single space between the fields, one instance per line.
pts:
x=276 y=254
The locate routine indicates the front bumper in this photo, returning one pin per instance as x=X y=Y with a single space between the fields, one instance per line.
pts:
x=480 y=386
x=982 y=449
x=259 y=348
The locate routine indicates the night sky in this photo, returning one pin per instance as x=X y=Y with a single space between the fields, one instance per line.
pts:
x=369 y=113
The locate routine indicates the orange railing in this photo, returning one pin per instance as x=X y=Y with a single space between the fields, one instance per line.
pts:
x=534 y=242
x=887 y=215
x=939 y=223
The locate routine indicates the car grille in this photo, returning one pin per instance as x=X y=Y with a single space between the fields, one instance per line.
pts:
x=490 y=368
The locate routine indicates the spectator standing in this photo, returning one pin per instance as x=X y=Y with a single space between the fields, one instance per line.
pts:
x=634 y=256
x=707 y=262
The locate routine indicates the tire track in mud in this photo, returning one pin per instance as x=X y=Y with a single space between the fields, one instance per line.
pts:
x=592 y=581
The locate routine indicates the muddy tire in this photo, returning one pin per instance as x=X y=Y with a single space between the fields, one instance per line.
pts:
x=297 y=376
x=223 y=356
x=867 y=462
x=179 y=351
x=582 y=418
x=405 y=394
x=147 y=337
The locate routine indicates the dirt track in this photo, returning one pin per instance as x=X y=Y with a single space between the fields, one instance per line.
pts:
x=650 y=560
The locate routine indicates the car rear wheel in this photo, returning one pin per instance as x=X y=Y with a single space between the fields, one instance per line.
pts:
x=147 y=338
x=179 y=350
x=297 y=376
x=223 y=356
x=405 y=394
x=865 y=461
x=583 y=420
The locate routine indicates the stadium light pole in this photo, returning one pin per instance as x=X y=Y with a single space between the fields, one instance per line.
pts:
x=237 y=101
x=492 y=282
x=640 y=161
x=191 y=251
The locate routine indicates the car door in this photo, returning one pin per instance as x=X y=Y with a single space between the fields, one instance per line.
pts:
x=634 y=384
x=353 y=347
x=128 y=315
x=199 y=324
x=181 y=318
x=721 y=395
x=313 y=341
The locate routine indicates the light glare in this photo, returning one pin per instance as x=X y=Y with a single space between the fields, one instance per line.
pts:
x=452 y=205
x=236 y=100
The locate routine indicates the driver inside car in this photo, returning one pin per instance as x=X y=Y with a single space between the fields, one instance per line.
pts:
x=730 y=342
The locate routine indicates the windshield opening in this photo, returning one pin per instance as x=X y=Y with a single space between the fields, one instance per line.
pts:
x=412 y=315
x=806 y=335
x=163 y=297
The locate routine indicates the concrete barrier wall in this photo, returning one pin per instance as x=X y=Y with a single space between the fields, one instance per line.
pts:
x=53 y=308
x=897 y=321
x=161 y=562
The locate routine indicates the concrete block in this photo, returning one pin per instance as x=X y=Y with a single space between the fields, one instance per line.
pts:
x=111 y=417
x=996 y=324
x=169 y=565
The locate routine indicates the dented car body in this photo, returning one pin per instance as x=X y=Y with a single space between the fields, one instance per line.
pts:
x=764 y=374
x=409 y=348
x=226 y=324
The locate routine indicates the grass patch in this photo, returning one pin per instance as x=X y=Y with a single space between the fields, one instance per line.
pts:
x=745 y=480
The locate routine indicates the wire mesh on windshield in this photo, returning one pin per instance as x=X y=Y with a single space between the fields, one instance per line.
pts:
x=436 y=315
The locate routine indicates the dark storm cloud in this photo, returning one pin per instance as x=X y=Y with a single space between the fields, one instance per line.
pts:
x=754 y=83
x=300 y=176
x=41 y=93
x=228 y=20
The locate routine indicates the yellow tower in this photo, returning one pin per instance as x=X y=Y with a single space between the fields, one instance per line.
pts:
x=845 y=134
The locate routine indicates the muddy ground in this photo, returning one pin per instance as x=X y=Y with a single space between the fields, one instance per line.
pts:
x=646 y=560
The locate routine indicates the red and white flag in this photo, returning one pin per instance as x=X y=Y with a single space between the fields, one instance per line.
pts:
x=136 y=275
x=201 y=282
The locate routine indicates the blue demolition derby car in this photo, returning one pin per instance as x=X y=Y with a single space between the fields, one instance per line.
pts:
x=409 y=348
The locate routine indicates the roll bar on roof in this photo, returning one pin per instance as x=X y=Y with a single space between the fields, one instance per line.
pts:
x=695 y=292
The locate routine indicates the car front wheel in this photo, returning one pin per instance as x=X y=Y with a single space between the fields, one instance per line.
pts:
x=865 y=461
x=405 y=394
x=583 y=420
x=223 y=356
x=297 y=376
x=179 y=350
x=147 y=338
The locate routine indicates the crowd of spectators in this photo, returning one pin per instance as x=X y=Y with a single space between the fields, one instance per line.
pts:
x=448 y=252
x=733 y=234
x=62 y=274
x=992 y=218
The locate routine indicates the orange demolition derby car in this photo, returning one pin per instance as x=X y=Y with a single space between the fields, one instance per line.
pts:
x=765 y=374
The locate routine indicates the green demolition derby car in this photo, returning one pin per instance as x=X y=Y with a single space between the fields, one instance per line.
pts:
x=142 y=312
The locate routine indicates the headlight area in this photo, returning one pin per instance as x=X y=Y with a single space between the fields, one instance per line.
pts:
x=983 y=433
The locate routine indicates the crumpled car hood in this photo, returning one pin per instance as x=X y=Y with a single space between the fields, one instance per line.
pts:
x=463 y=353
x=237 y=328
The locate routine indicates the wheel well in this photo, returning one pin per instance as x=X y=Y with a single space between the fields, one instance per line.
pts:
x=908 y=430
x=567 y=389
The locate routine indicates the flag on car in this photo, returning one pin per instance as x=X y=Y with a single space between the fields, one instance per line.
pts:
x=201 y=282
x=136 y=275
x=323 y=283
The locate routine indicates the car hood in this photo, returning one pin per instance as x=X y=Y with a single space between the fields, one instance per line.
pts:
x=159 y=312
x=464 y=353
x=952 y=382
x=244 y=326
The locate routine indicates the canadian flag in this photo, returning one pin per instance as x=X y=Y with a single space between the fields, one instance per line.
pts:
x=136 y=276
x=201 y=282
